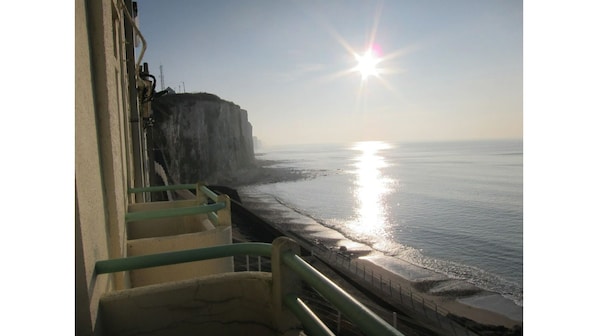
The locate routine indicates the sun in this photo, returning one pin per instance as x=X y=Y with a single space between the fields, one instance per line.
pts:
x=367 y=64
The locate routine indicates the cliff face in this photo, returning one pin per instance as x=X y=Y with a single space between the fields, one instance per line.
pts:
x=199 y=137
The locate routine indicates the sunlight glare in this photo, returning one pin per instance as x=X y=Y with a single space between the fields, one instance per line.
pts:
x=367 y=64
x=371 y=187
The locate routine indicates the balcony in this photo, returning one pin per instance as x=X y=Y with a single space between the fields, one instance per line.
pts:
x=156 y=227
x=228 y=303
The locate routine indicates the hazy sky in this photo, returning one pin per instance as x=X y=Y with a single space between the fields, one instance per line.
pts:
x=448 y=70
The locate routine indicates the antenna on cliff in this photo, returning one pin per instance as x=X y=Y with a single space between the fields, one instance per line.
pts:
x=161 y=79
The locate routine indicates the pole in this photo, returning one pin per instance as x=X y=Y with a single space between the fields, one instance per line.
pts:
x=161 y=79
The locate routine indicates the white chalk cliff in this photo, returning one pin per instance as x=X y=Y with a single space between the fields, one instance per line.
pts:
x=200 y=137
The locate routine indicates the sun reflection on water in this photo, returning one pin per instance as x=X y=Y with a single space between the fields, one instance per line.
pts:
x=371 y=186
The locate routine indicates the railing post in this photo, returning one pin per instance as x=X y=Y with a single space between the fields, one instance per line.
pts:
x=224 y=216
x=201 y=197
x=284 y=282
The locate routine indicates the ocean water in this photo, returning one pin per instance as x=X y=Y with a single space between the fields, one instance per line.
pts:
x=455 y=208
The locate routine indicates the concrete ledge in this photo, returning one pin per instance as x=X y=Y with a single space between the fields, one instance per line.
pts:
x=166 y=226
x=162 y=205
x=221 y=304
x=155 y=275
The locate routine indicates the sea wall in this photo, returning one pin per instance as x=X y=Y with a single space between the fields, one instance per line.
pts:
x=200 y=137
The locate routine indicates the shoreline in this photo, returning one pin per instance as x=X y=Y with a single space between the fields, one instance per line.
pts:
x=454 y=297
x=453 y=303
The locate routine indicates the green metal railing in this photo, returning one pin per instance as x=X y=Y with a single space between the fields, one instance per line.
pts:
x=212 y=195
x=209 y=209
x=174 y=212
x=311 y=322
x=178 y=257
x=368 y=322
x=162 y=188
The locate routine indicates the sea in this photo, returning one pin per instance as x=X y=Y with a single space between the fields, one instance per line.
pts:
x=455 y=208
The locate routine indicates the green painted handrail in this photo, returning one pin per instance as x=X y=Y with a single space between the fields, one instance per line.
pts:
x=213 y=217
x=212 y=195
x=310 y=321
x=177 y=257
x=173 y=212
x=368 y=322
x=162 y=188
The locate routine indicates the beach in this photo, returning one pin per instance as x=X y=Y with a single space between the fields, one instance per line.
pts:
x=431 y=298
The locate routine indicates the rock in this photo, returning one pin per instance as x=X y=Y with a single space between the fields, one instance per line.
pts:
x=200 y=137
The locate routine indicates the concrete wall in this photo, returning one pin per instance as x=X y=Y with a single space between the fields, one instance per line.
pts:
x=108 y=79
x=155 y=275
x=91 y=237
x=175 y=234
x=165 y=226
x=101 y=154
x=224 y=304
x=168 y=226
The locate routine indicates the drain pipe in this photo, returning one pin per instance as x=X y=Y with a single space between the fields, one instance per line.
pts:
x=134 y=25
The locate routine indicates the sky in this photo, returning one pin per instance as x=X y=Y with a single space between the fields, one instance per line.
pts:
x=448 y=70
